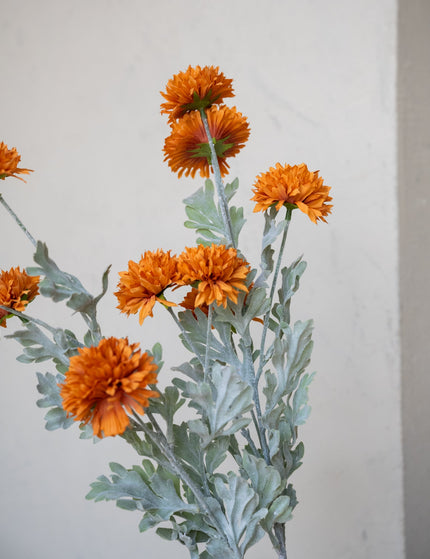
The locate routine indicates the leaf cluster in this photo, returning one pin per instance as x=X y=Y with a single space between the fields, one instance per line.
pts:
x=213 y=510
x=245 y=400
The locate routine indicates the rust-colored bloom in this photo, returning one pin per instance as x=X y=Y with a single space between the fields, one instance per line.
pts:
x=9 y=161
x=144 y=282
x=105 y=382
x=189 y=302
x=196 y=88
x=17 y=289
x=294 y=185
x=217 y=270
x=187 y=149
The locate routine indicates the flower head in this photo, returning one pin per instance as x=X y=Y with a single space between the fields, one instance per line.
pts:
x=196 y=88
x=187 y=149
x=189 y=302
x=294 y=185
x=144 y=282
x=218 y=272
x=106 y=381
x=17 y=289
x=9 y=161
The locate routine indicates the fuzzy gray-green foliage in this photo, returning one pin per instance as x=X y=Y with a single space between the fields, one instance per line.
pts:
x=181 y=486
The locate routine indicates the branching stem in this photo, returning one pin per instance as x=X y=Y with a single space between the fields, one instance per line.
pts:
x=19 y=222
x=29 y=318
x=272 y=293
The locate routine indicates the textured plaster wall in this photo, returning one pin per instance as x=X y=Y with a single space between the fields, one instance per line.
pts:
x=80 y=83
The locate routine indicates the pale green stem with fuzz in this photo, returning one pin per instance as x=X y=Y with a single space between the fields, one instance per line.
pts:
x=208 y=335
x=257 y=419
x=280 y=535
x=218 y=182
x=29 y=318
x=160 y=440
x=19 y=222
x=272 y=293
x=247 y=435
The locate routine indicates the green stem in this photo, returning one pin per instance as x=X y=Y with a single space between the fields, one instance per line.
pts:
x=218 y=182
x=272 y=293
x=19 y=222
x=29 y=318
x=258 y=420
x=280 y=536
x=247 y=435
x=208 y=335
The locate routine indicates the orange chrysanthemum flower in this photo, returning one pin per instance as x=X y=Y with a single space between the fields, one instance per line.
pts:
x=17 y=289
x=144 y=282
x=294 y=185
x=105 y=382
x=220 y=273
x=9 y=161
x=189 y=302
x=196 y=88
x=187 y=149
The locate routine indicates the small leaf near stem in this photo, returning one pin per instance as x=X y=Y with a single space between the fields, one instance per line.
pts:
x=218 y=181
x=18 y=221
x=272 y=292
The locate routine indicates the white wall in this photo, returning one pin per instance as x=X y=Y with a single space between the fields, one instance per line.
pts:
x=80 y=100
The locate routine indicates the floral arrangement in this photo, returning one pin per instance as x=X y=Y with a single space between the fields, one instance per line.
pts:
x=245 y=383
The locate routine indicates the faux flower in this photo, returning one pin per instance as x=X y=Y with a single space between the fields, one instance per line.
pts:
x=196 y=88
x=17 y=289
x=216 y=271
x=144 y=282
x=105 y=382
x=294 y=185
x=189 y=302
x=9 y=161
x=187 y=149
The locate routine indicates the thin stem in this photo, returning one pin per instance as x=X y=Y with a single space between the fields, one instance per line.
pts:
x=218 y=182
x=280 y=536
x=186 y=336
x=247 y=435
x=157 y=427
x=19 y=222
x=208 y=335
x=272 y=293
x=29 y=318
x=258 y=420
x=259 y=424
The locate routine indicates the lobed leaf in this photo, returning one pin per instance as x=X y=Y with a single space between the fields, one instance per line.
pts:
x=156 y=494
x=242 y=512
x=205 y=217
x=222 y=403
